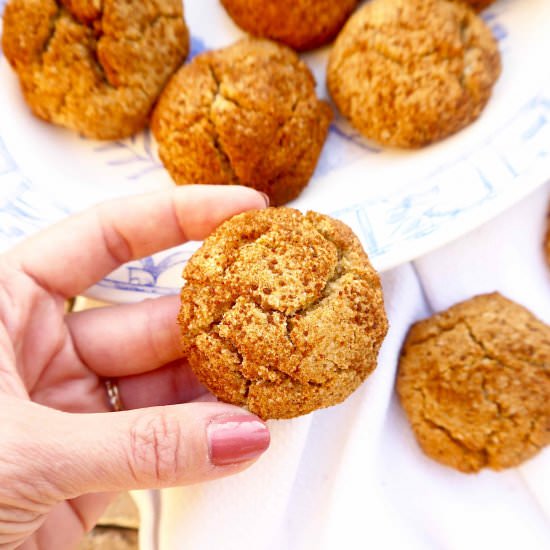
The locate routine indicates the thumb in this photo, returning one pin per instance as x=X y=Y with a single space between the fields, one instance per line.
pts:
x=150 y=448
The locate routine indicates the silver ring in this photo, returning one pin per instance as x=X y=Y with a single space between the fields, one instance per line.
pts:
x=113 y=395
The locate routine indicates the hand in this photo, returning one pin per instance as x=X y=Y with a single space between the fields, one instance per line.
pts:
x=53 y=458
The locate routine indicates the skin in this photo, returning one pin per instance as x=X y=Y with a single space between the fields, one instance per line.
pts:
x=64 y=455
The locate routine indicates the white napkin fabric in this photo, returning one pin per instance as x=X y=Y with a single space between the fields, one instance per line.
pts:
x=353 y=476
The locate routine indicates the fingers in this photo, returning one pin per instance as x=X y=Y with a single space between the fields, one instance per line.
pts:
x=146 y=448
x=170 y=385
x=74 y=254
x=127 y=339
x=77 y=516
x=139 y=345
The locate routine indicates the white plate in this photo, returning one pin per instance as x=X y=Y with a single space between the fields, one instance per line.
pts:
x=401 y=204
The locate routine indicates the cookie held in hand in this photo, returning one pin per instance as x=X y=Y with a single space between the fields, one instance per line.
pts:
x=410 y=72
x=300 y=24
x=94 y=67
x=475 y=384
x=282 y=312
x=246 y=114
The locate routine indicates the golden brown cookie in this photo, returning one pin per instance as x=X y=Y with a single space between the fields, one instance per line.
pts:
x=478 y=5
x=475 y=384
x=95 y=67
x=410 y=72
x=300 y=24
x=282 y=312
x=247 y=114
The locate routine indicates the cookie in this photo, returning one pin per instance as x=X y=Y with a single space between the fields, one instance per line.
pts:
x=410 y=72
x=474 y=382
x=478 y=5
x=282 y=312
x=94 y=67
x=300 y=24
x=246 y=114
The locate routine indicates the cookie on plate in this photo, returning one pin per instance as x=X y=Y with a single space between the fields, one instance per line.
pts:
x=246 y=114
x=478 y=5
x=94 y=67
x=475 y=384
x=410 y=72
x=282 y=312
x=300 y=24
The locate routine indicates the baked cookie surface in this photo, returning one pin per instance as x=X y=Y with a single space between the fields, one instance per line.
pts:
x=478 y=5
x=246 y=114
x=474 y=382
x=282 y=312
x=300 y=24
x=94 y=67
x=410 y=72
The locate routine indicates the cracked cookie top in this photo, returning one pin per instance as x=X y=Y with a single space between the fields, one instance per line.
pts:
x=282 y=312
x=300 y=24
x=246 y=114
x=95 y=66
x=410 y=72
x=475 y=384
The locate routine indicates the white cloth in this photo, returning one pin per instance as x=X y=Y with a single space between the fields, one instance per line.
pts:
x=353 y=476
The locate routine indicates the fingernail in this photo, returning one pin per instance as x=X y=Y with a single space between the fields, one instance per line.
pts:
x=266 y=198
x=235 y=439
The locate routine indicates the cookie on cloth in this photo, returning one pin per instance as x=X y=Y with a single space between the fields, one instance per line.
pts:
x=282 y=312
x=300 y=24
x=247 y=114
x=95 y=67
x=410 y=72
x=474 y=382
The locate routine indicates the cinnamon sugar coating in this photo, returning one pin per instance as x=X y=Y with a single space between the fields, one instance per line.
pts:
x=300 y=24
x=246 y=114
x=410 y=72
x=282 y=313
x=475 y=384
x=95 y=66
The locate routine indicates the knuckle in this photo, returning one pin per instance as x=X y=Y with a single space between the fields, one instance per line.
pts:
x=116 y=244
x=155 y=443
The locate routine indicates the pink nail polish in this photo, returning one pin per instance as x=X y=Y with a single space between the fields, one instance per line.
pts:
x=235 y=439
x=266 y=198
